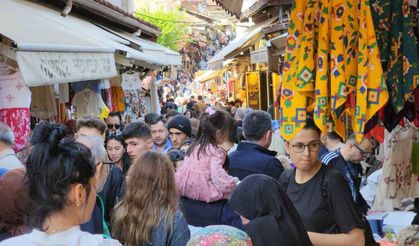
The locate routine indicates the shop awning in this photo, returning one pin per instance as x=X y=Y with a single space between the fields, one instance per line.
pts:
x=232 y=6
x=242 y=41
x=164 y=55
x=280 y=42
x=48 y=52
x=209 y=75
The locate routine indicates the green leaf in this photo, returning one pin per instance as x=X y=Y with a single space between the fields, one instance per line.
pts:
x=324 y=77
x=305 y=57
x=338 y=28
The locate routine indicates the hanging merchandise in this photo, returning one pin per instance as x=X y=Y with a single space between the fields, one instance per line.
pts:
x=106 y=93
x=89 y=102
x=64 y=93
x=63 y=99
x=415 y=154
x=331 y=55
x=118 y=99
x=92 y=84
x=394 y=28
x=15 y=99
x=43 y=105
x=107 y=98
x=134 y=104
x=154 y=97
x=398 y=180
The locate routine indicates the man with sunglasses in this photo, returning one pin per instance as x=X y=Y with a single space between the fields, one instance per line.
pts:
x=347 y=161
x=113 y=122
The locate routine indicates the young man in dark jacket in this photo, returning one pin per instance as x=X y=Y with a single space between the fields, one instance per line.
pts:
x=252 y=155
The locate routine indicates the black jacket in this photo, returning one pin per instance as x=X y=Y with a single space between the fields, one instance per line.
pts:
x=251 y=158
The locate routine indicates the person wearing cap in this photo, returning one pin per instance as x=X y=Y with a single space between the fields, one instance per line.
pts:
x=180 y=130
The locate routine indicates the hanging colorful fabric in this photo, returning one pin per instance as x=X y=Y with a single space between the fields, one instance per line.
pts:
x=321 y=108
x=343 y=56
x=331 y=52
x=293 y=94
x=371 y=93
x=397 y=43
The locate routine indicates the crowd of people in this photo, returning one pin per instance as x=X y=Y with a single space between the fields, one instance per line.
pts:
x=214 y=175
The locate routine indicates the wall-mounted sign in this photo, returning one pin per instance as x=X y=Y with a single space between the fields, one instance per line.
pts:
x=259 y=56
x=252 y=86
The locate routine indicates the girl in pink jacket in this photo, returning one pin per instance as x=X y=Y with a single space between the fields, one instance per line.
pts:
x=202 y=176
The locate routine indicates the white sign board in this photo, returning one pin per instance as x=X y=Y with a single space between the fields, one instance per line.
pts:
x=259 y=56
x=46 y=68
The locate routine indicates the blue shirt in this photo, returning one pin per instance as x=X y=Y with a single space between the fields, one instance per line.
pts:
x=166 y=147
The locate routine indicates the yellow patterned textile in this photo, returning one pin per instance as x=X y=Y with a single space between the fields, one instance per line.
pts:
x=331 y=53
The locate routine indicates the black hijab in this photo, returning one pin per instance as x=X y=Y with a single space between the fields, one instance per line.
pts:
x=273 y=218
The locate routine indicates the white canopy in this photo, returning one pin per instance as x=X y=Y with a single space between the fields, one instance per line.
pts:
x=165 y=55
x=54 y=49
x=216 y=62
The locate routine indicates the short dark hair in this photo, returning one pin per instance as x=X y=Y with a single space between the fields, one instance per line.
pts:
x=148 y=117
x=256 y=124
x=114 y=114
x=137 y=130
x=334 y=136
x=171 y=114
x=311 y=125
x=199 y=97
x=157 y=119
x=91 y=121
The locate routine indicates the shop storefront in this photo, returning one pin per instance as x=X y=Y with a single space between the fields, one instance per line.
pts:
x=58 y=68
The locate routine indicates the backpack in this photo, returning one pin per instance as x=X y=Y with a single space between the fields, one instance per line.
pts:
x=369 y=238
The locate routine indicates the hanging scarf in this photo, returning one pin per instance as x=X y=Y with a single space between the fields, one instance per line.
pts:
x=331 y=52
x=396 y=40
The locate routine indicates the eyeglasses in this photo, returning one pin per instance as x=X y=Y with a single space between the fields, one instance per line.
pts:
x=312 y=147
x=113 y=126
x=176 y=154
x=363 y=152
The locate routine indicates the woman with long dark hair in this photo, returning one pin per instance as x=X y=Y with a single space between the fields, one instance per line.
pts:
x=116 y=148
x=61 y=180
x=113 y=189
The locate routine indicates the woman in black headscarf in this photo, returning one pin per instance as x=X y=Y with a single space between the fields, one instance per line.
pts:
x=269 y=217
